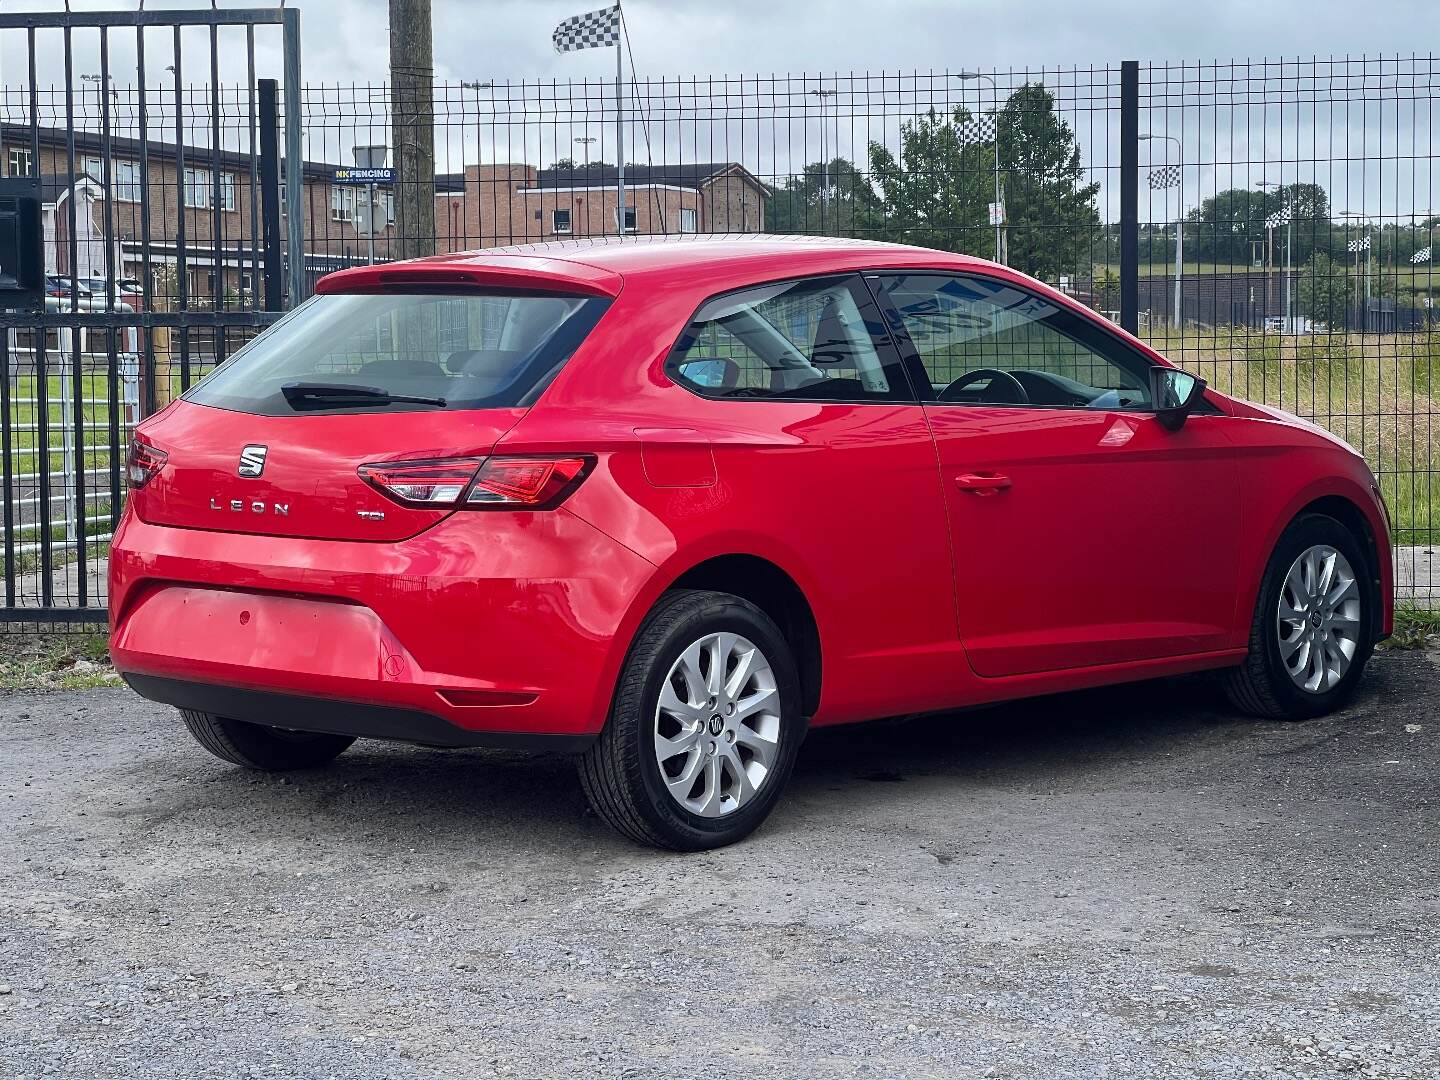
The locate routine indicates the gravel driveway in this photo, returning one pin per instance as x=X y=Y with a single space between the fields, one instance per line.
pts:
x=1122 y=883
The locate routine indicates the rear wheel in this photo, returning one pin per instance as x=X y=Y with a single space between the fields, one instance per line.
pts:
x=256 y=746
x=1313 y=628
x=704 y=727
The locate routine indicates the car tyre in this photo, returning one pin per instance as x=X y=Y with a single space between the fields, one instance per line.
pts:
x=1264 y=685
x=743 y=722
x=267 y=749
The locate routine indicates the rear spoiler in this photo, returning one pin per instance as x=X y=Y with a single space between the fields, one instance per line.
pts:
x=477 y=272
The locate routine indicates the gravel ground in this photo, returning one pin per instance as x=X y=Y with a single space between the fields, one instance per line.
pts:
x=1121 y=883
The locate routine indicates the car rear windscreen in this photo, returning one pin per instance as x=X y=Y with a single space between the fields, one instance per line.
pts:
x=358 y=352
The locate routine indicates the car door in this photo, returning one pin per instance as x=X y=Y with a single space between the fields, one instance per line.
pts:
x=823 y=457
x=1083 y=533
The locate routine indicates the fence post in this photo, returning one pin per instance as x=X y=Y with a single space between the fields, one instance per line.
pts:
x=1130 y=195
x=294 y=158
x=270 y=195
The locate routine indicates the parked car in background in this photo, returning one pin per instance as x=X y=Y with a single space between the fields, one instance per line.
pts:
x=666 y=504
x=58 y=285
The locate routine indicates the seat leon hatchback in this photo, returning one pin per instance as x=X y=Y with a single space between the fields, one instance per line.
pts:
x=667 y=504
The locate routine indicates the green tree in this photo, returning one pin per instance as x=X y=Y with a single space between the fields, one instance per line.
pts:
x=1051 y=214
x=938 y=191
x=1224 y=227
x=935 y=193
x=827 y=198
x=1326 y=290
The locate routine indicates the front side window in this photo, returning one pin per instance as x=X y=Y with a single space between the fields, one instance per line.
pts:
x=986 y=342
x=454 y=351
x=815 y=340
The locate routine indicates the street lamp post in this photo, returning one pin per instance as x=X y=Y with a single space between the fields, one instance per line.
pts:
x=1363 y=244
x=999 y=212
x=824 y=95
x=1175 y=319
x=1287 y=213
x=585 y=141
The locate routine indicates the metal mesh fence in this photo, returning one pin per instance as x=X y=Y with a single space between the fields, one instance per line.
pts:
x=1300 y=273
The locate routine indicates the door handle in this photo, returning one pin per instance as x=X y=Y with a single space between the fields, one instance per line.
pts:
x=982 y=483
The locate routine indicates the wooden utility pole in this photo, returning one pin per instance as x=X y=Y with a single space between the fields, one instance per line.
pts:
x=412 y=119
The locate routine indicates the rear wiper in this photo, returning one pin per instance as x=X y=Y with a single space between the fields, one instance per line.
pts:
x=304 y=397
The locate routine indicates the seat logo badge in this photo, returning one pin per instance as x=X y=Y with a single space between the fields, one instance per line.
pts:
x=252 y=461
x=370 y=515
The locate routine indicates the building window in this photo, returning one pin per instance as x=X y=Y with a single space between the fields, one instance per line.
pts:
x=560 y=221
x=124 y=177
x=390 y=208
x=342 y=203
x=629 y=218
x=689 y=220
x=200 y=182
x=21 y=164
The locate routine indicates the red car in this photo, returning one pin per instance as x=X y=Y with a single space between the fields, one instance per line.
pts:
x=666 y=504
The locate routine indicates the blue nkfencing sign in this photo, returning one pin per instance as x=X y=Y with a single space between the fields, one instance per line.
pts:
x=347 y=175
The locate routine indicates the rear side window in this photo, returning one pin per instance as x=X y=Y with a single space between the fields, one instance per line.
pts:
x=813 y=340
x=470 y=351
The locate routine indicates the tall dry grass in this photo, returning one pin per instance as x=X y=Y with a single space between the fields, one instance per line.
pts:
x=1377 y=392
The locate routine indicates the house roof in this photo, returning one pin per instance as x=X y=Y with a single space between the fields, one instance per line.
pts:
x=91 y=143
x=692 y=175
x=53 y=185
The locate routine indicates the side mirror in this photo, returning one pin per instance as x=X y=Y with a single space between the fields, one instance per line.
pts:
x=1174 y=395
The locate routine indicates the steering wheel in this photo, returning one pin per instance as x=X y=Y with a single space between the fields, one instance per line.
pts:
x=1012 y=386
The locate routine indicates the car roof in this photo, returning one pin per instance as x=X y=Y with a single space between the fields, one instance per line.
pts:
x=603 y=264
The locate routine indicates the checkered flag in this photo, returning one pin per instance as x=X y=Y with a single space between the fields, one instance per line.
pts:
x=593 y=30
x=1169 y=176
x=1358 y=245
x=1423 y=255
x=978 y=129
x=1278 y=218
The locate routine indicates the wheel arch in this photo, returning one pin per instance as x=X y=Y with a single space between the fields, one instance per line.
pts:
x=775 y=592
x=1349 y=514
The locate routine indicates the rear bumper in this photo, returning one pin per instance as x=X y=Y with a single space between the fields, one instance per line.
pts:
x=301 y=713
x=487 y=625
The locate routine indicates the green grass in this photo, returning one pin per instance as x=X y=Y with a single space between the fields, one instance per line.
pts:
x=1416 y=627
x=1381 y=394
x=30 y=661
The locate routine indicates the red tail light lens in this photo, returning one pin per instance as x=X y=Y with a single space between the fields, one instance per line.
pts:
x=536 y=483
x=422 y=483
x=527 y=482
x=143 y=462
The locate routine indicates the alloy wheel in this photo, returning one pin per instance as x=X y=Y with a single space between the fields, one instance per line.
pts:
x=717 y=725
x=1318 y=621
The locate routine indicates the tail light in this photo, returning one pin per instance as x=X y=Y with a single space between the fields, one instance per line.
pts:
x=534 y=482
x=521 y=482
x=422 y=483
x=143 y=462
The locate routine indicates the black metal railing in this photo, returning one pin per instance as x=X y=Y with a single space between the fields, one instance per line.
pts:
x=1270 y=225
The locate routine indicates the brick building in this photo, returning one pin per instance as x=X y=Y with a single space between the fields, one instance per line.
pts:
x=491 y=205
x=486 y=206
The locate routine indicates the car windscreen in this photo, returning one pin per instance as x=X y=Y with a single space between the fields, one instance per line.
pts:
x=402 y=351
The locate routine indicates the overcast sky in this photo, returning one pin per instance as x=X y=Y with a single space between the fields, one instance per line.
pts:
x=484 y=39
x=345 y=42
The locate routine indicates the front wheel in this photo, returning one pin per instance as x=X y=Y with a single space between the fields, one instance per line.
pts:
x=1313 y=628
x=704 y=727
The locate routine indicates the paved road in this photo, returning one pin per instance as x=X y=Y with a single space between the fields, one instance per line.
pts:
x=1125 y=883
